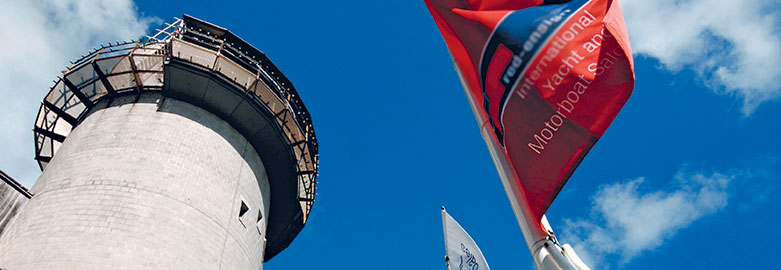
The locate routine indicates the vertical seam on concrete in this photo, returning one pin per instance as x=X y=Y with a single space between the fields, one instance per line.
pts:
x=206 y=87
x=233 y=199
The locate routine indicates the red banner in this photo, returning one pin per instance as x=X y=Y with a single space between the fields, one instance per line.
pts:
x=550 y=77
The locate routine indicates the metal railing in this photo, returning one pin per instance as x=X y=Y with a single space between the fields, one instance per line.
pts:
x=15 y=185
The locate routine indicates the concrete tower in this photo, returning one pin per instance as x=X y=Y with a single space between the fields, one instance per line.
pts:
x=189 y=150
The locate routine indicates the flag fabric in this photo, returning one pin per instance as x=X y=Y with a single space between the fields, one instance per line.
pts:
x=462 y=252
x=549 y=77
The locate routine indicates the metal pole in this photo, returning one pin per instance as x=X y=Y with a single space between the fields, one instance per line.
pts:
x=444 y=230
x=529 y=227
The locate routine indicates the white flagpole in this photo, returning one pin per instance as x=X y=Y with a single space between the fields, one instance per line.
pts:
x=546 y=254
x=514 y=192
x=444 y=230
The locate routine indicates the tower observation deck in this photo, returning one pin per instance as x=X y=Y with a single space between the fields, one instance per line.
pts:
x=187 y=150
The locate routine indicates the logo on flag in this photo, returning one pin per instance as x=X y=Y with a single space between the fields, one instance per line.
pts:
x=512 y=45
x=470 y=262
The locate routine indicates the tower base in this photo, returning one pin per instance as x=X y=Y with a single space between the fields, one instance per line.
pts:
x=145 y=182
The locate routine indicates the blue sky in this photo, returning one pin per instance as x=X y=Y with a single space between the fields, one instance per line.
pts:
x=684 y=178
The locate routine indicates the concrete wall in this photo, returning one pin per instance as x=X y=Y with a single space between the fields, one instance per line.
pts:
x=11 y=200
x=156 y=184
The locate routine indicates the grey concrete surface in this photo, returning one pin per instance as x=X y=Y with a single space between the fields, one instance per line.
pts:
x=156 y=184
x=11 y=200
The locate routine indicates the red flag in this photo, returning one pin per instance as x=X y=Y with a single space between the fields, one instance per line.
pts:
x=550 y=76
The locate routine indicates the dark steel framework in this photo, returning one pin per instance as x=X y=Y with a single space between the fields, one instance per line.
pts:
x=139 y=66
x=15 y=185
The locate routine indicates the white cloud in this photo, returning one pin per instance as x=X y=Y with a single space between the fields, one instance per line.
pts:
x=734 y=46
x=626 y=220
x=38 y=39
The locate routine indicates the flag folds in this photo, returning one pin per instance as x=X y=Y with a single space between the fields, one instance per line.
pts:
x=549 y=78
x=462 y=252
